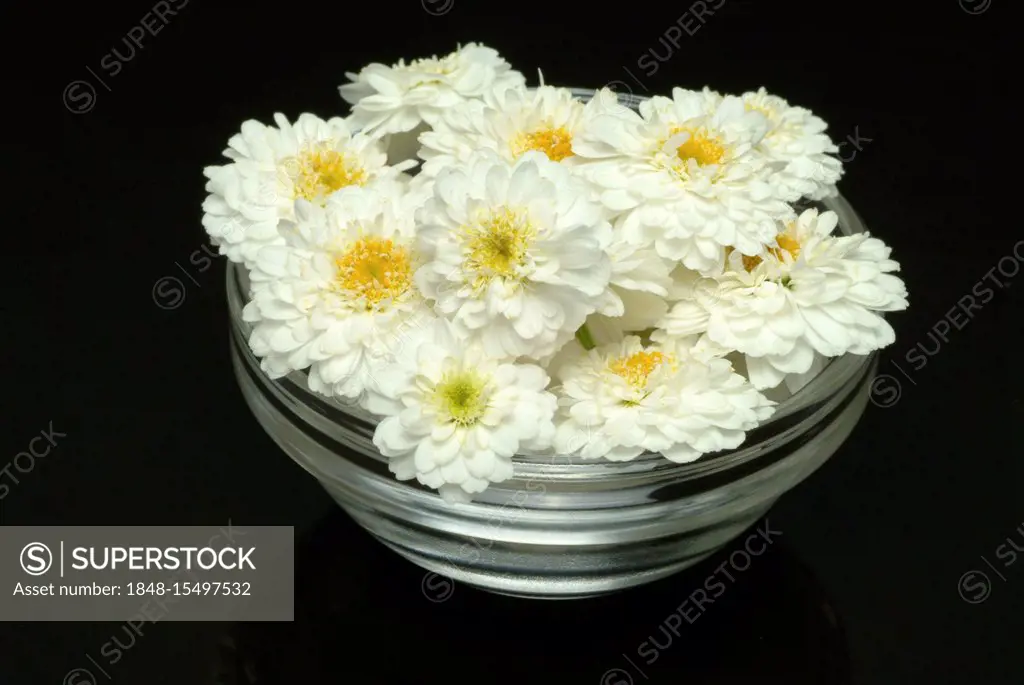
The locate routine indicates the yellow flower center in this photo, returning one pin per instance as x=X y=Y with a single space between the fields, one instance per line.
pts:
x=497 y=245
x=637 y=367
x=787 y=243
x=320 y=170
x=556 y=143
x=373 y=270
x=702 y=147
x=461 y=397
x=790 y=244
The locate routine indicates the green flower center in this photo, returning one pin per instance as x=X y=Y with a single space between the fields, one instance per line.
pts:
x=462 y=397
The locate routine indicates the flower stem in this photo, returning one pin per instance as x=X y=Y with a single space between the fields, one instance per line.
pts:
x=585 y=338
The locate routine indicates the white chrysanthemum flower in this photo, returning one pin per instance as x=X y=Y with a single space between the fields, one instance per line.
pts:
x=455 y=416
x=453 y=139
x=687 y=174
x=813 y=294
x=393 y=99
x=797 y=147
x=515 y=121
x=623 y=399
x=509 y=122
x=339 y=297
x=640 y=276
x=272 y=168
x=515 y=254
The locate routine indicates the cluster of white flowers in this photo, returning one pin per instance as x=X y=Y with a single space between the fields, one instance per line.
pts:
x=547 y=274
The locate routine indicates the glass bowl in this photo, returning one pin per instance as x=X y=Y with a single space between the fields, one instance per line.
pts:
x=561 y=528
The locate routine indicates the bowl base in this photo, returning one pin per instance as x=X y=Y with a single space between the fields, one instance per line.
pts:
x=524 y=586
x=568 y=574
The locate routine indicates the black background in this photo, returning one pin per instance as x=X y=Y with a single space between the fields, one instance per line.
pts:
x=863 y=586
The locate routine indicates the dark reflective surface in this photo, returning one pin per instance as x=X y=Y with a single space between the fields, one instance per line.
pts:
x=158 y=434
x=361 y=609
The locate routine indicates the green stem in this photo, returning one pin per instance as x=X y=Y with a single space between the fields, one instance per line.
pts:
x=585 y=338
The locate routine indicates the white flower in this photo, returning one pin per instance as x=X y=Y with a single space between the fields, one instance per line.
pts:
x=515 y=121
x=455 y=416
x=272 y=168
x=339 y=297
x=515 y=253
x=641 y=276
x=814 y=294
x=622 y=399
x=393 y=99
x=687 y=174
x=453 y=139
x=798 y=148
x=509 y=122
